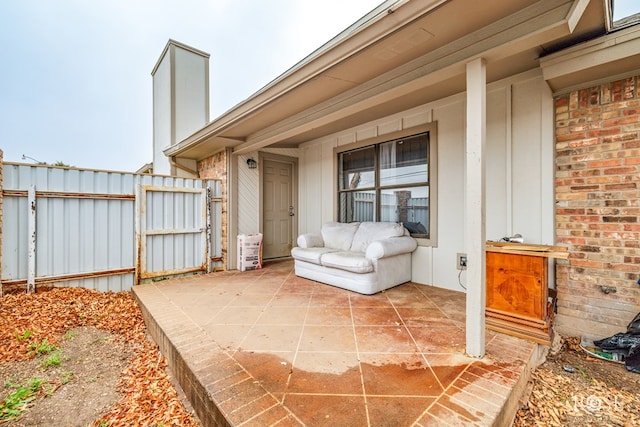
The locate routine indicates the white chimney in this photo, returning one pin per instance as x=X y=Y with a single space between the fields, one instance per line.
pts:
x=180 y=102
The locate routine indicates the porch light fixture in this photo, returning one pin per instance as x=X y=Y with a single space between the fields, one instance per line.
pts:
x=252 y=163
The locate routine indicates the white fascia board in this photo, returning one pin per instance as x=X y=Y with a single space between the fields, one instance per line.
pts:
x=518 y=32
x=354 y=39
x=599 y=52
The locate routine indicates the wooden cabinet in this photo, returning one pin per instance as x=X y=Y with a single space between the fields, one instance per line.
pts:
x=518 y=291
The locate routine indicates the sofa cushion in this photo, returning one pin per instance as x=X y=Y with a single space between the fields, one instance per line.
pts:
x=311 y=255
x=349 y=261
x=371 y=231
x=390 y=247
x=339 y=235
x=310 y=240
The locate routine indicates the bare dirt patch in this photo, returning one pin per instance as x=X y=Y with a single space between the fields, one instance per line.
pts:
x=79 y=387
x=76 y=357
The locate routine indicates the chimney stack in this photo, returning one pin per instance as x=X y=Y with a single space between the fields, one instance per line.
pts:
x=180 y=102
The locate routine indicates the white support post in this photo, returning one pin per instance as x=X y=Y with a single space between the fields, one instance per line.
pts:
x=475 y=206
x=31 y=224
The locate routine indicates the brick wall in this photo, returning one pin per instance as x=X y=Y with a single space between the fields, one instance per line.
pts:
x=215 y=167
x=598 y=207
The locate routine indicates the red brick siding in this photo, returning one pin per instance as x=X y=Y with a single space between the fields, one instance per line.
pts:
x=215 y=167
x=598 y=207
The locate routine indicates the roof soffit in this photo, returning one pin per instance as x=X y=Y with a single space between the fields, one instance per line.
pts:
x=519 y=32
x=525 y=29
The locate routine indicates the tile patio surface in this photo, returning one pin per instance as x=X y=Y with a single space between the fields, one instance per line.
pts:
x=267 y=348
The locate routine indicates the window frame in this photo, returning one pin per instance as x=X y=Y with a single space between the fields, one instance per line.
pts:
x=620 y=23
x=432 y=178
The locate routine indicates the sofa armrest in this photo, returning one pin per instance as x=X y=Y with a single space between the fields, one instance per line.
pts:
x=310 y=240
x=391 y=246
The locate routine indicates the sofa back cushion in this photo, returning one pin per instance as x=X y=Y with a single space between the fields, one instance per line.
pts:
x=338 y=235
x=370 y=231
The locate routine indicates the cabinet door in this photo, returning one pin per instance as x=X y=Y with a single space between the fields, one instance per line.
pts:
x=517 y=285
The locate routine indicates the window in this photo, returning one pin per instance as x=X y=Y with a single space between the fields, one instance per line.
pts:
x=390 y=180
x=622 y=13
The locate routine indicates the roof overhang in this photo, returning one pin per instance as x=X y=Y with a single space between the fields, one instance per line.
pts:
x=616 y=55
x=402 y=54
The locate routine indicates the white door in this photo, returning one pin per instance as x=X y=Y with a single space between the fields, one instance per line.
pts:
x=278 y=209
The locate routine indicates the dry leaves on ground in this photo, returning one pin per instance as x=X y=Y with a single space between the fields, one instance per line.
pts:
x=574 y=389
x=148 y=397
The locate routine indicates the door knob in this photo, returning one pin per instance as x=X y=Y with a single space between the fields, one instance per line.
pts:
x=291 y=211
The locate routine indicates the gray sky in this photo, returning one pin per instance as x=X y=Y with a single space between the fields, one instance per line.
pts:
x=624 y=8
x=75 y=75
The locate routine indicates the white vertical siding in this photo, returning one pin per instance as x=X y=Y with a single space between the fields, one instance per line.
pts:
x=498 y=149
x=526 y=159
x=328 y=184
x=519 y=171
x=191 y=91
x=311 y=196
x=162 y=116
x=451 y=193
x=248 y=193
x=249 y=189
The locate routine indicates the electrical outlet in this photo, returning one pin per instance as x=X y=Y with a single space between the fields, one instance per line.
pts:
x=461 y=261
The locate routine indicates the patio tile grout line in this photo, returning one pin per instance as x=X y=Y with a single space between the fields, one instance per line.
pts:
x=457 y=384
x=255 y=322
x=295 y=353
x=470 y=422
x=279 y=402
x=498 y=407
x=415 y=342
x=230 y=355
x=179 y=309
x=248 y=420
x=422 y=355
x=198 y=327
x=355 y=340
x=452 y=384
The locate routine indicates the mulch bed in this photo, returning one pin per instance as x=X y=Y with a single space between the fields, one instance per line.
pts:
x=571 y=388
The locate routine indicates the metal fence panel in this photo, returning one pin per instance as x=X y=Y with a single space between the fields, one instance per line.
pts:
x=173 y=231
x=85 y=225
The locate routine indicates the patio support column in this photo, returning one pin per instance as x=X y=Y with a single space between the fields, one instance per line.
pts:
x=475 y=208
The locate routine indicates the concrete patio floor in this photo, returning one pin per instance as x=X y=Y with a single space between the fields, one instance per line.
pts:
x=265 y=347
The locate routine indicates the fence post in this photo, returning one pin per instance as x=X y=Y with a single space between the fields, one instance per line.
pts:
x=31 y=261
x=209 y=225
x=1 y=218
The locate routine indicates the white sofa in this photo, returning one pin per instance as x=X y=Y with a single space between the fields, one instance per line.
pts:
x=364 y=257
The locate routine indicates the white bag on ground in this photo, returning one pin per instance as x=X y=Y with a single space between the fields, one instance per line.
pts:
x=249 y=251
